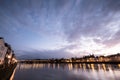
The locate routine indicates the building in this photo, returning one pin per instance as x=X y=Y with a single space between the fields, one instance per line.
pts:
x=7 y=56
x=114 y=57
x=3 y=50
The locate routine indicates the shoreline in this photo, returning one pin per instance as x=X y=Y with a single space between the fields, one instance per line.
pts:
x=32 y=62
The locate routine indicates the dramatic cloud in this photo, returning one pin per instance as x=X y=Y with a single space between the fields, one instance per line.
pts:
x=61 y=27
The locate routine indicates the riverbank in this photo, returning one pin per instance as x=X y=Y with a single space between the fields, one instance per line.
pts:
x=6 y=72
x=32 y=61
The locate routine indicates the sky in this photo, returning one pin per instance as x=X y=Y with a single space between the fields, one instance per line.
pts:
x=60 y=28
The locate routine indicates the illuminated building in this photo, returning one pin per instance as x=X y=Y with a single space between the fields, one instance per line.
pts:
x=7 y=56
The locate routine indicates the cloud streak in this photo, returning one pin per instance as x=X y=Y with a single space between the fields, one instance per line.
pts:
x=74 y=25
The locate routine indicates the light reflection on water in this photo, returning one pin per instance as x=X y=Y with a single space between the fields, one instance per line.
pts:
x=67 y=72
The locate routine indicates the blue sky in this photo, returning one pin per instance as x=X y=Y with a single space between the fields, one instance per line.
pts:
x=61 y=28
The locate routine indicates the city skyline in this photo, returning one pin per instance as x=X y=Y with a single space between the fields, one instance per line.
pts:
x=60 y=28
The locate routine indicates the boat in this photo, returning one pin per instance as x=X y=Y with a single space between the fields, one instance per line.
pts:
x=8 y=60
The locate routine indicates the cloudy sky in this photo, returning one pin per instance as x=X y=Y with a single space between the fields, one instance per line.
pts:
x=61 y=28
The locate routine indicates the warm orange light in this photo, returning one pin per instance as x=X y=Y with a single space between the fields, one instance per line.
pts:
x=14 y=59
x=119 y=65
x=9 y=56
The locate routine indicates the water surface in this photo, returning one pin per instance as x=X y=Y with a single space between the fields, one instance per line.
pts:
x=67 y=72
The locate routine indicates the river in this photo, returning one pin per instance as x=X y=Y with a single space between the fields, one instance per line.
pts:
x=66 y=72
